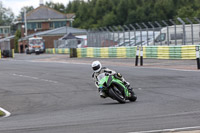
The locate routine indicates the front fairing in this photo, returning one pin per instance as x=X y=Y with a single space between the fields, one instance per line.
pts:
x=106 y=81
x=102 y=83
x=121 y=83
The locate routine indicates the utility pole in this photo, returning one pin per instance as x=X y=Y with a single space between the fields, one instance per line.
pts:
x=25 y=23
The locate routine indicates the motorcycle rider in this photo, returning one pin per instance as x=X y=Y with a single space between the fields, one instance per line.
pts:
x=98 y=69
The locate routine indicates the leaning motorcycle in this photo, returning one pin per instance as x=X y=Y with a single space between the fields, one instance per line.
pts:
x=115 y=89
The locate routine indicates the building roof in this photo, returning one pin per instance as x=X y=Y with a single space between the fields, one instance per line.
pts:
x=7 y=38
x=5 y=26
x=68 y=36
x=44 y=13
x=58 y=32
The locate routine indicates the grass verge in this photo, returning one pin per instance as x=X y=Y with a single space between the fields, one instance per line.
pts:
x=1 y=113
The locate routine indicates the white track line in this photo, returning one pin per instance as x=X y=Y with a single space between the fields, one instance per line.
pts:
x=63 y=62
x=169 y=130
x=36 y=78
x=6 y=112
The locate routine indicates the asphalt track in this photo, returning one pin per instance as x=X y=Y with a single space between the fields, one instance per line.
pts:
x=55 y=94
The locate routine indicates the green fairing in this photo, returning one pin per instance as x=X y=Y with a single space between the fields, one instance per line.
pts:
x=105 y=79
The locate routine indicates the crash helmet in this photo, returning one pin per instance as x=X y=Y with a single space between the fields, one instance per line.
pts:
x=96 y=66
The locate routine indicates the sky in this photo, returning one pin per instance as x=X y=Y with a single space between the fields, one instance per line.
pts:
x=16 y=5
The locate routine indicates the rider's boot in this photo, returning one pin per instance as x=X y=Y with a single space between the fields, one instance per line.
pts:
x=127 y=84
x=102 y=94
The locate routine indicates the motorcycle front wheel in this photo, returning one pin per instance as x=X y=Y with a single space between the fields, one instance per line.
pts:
x=117 y=94
x=133 y=97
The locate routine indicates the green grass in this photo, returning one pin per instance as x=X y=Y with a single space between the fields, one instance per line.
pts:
x=1 y=113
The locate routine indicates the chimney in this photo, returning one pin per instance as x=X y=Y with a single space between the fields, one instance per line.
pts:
x=41 y=3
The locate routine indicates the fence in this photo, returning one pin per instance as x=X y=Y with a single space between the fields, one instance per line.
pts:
x=171 y=32
x=69 y=43
x=5 y=50
x=5 y=45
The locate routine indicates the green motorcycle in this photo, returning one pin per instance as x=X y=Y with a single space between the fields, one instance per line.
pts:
x=115 y=89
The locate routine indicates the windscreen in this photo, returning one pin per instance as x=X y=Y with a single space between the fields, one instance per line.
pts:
x=102 y=75
x=36 y=42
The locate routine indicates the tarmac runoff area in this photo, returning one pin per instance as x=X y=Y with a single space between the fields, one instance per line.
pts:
x=175 y=130
x=182 y=65
x=197 y=131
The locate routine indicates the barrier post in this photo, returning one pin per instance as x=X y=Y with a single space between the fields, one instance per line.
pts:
x=197 y=55
x=73 y=52
x=141 y=56
x=137 y=54
x=54 y=51
x=0 y=53
x=13 y=53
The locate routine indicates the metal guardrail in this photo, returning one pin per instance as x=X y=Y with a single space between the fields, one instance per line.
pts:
x=69 y=43
x=171 y=32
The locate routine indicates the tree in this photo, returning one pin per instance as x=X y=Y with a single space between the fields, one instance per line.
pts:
x=185 y=12
x=132 y=17
x=17 y=36
x=6 y=15
x=98 y=13
x=109 y=19
x=57 y=6
x=122 y=12
x=25 y=8
x=69 y=7
x=75 y=6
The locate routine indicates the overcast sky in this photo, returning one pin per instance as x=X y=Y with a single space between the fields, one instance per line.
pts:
x=16 y=5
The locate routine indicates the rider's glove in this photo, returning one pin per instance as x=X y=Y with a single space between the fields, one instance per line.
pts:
x=118 y=75
x=107 y=74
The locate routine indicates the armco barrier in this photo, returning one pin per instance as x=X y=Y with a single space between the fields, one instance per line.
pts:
x=156 y=52
x=62 y=50
x=150 y=52
x=188 y=52
x=57 y=51
x=50 y=51
x=113 y=52
x=175 y=52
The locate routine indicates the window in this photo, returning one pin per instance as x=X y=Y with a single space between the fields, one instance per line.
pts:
x=178 y=36
x=33 y=26
x=51 y=25
x=161 y=37
x=57 y=24
x=39 y=25
x=6 y=31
